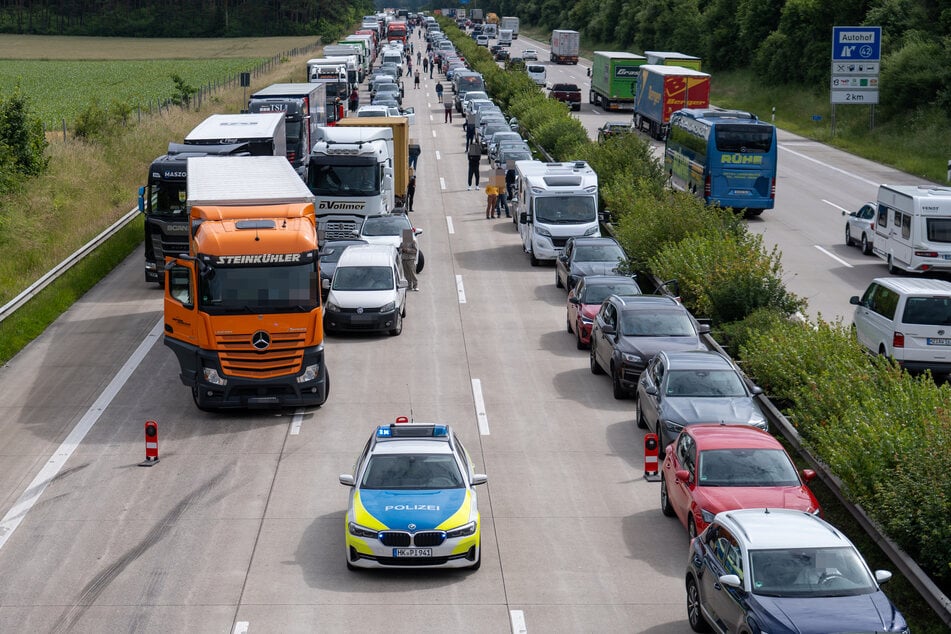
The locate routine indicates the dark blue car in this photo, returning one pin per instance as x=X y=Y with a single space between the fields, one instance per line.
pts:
x=778 y=570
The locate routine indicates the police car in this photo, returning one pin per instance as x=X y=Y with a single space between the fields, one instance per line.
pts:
x=412 y=501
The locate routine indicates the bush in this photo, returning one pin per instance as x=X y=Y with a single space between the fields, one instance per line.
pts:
x=649 y=219
x=867 y=418
x=562 y=137
x=22 y=141
x=725 y=275
x=626 y=158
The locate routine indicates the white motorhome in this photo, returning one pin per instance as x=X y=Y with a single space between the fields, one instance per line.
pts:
x=913 y=228
x=505 y=37
x=555 y=201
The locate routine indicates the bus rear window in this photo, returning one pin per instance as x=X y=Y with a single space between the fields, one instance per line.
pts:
x=738 y=137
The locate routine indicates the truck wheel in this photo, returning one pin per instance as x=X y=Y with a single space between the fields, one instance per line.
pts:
x=533 y=259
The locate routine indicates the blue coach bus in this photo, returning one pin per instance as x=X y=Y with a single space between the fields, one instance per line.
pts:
x=726 y=157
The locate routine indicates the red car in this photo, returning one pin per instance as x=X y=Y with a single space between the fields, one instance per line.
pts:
x=714 y=468
x=584 y=301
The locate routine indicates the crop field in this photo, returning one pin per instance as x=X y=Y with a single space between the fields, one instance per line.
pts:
x=62 y=75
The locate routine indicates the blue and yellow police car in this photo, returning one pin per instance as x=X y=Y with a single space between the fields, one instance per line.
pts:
x=412 y=501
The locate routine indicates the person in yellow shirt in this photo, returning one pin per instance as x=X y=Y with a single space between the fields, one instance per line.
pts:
x=492 y=198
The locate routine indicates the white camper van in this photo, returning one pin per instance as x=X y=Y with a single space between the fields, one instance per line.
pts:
x=913 y=228
x=555 y=201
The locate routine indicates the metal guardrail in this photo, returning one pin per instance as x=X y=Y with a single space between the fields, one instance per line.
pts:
x=56 y=272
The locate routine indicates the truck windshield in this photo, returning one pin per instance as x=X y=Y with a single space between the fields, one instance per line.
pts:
x=168 y=199
x=566 y=210
x=257 y=289
x=344 y=180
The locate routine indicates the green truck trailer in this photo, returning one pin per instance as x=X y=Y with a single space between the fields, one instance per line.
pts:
x=671 y=58
x=614 y=79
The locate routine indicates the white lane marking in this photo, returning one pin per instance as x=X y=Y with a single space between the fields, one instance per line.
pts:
x=296 y=422
x=53 y=466
x=431 y=118
x=518 y=622
x=442 y=182
x=835 y=205
x=241 y=627
x=480 y=407
x=827 y=166
x=438 y=157
x=449 y=225
x=460 y=291
x=834 y=257
x=434 y=134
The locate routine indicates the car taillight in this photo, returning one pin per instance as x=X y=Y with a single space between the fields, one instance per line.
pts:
x=292 y=156
x=898 y=340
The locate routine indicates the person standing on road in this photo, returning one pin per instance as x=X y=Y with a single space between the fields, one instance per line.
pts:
x=491 y=201
x=474 y=153
x=447 y=110
x=470 y=132
x=410 y=192
x=416 y=80
x=408 y=253
x=354 y=100
x=425 y=64
x=438 y=88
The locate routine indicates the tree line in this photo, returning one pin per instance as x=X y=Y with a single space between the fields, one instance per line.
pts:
x=782 y=41
x=180 y=18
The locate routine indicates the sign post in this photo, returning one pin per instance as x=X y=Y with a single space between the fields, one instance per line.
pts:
x=856 y=63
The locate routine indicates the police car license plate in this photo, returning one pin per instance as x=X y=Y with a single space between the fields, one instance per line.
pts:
x=933 y=341
x=412 y=552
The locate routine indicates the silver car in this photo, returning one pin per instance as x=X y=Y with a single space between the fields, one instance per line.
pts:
x=860 y=227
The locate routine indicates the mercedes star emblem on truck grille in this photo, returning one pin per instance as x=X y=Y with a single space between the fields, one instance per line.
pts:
x=260 y=340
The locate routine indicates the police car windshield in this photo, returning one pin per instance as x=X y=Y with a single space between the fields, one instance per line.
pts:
x=244 y=289
x=412 y=471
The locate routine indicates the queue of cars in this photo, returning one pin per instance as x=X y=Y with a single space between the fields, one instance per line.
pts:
x=760 y=557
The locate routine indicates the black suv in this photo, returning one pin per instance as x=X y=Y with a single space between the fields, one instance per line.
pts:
x=628 y=331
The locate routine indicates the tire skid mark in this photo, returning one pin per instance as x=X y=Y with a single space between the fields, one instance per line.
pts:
x=94 y=588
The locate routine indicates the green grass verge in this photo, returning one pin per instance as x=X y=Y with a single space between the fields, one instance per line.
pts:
x=31 y=319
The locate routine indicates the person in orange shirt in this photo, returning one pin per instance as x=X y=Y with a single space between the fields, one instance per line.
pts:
x=492 y=198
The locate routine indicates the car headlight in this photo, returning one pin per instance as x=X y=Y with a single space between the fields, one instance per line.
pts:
x=706 y=515
x=361 y=531
x=388 y=307
x=309 y=374
x=331 y=307
x=758 y=420
x=542 y=231
x=672 y=427
x=586 y=320
x=630 y=357
x=211 y=376
x=463 y=531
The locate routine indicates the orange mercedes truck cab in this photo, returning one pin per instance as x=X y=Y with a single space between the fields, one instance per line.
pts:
x=242 y=307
